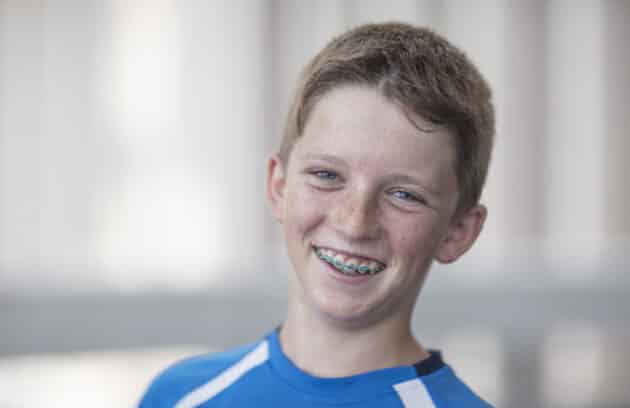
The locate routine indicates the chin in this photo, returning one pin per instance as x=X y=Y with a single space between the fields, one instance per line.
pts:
x=345 y=312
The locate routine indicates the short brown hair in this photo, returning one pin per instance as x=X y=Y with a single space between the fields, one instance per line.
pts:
x=417 y=69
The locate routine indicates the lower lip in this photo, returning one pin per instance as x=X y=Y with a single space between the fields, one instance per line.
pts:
x=349 y=279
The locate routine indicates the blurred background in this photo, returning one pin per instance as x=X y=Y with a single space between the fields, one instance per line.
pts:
x=133 y=230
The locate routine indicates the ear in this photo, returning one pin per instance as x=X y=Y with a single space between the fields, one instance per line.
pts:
x=276 y=182
x=462 y=234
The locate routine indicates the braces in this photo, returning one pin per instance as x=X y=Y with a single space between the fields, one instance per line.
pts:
x=347 y=268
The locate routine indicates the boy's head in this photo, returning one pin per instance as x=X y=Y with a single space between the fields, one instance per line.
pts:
x=380 y=170
x=419 y=71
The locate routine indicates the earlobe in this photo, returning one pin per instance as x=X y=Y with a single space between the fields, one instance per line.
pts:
x=462 y=234
x=275 y=184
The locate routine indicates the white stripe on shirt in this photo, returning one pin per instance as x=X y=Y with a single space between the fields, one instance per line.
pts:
x=228 y=377
x=414 y=394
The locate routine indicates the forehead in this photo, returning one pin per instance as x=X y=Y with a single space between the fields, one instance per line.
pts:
x=363 y=127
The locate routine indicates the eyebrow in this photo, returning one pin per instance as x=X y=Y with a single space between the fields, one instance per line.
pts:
x=405 y=178
x=325 y=157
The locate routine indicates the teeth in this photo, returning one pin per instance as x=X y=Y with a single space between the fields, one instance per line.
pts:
x=338 y=260
x=364 y=268
x=349 y=266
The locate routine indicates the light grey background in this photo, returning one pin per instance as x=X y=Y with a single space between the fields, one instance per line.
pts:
x=133 y=138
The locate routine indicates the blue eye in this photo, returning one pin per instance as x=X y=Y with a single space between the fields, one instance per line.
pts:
x=325 y=175
x=406 y=196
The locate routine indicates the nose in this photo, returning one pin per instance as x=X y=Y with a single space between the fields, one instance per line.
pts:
x=356 y=216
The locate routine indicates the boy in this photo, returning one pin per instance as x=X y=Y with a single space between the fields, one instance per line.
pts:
x=379 y=172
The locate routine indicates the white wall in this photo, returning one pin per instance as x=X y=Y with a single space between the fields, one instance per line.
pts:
x=133 y=137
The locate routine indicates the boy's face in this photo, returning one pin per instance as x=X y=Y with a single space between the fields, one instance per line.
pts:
x=367 y=202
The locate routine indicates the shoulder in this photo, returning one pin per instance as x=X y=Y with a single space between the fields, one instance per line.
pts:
x=189 y=374
x=447 y=390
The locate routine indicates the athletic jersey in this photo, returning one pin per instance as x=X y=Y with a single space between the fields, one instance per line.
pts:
x=262 y=376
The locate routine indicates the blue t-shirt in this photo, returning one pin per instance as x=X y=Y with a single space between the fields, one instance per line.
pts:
x=262 y=376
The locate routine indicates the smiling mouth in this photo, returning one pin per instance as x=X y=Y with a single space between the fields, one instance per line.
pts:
x=347 y=264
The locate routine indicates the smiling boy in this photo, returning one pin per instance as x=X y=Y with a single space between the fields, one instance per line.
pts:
x=379 y=173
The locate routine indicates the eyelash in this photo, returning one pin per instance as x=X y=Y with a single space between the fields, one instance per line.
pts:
x=409 y=196
x=324 y=175
x=329 y=176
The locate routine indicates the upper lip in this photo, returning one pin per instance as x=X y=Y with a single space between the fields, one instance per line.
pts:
x=351 y=253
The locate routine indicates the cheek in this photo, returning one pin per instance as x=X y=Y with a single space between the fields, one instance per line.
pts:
x=415 y=240
x=305 y=210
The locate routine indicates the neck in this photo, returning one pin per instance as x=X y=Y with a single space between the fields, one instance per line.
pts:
x=325 y=349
